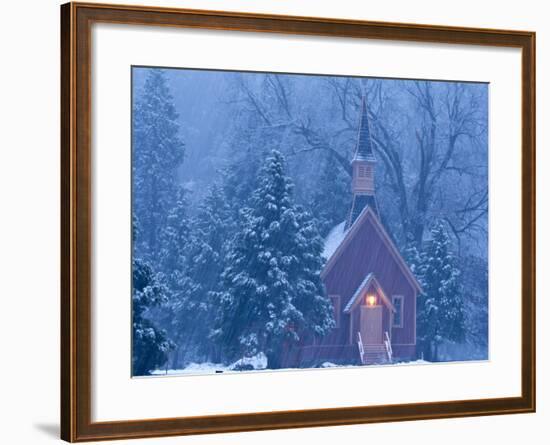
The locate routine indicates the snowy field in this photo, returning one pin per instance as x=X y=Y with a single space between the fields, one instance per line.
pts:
x=256 y=363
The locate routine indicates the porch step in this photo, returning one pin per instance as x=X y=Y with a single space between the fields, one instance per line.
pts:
x=375 y=359
x=374 y=354
x=374 y=347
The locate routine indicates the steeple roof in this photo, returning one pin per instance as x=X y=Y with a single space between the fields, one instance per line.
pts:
x=358 y=205
x=363 y=181
x=363 y=149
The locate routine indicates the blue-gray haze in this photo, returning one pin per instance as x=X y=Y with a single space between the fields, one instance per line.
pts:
x=431 y=144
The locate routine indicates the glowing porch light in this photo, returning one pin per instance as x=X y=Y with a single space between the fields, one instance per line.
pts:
x=371 y=300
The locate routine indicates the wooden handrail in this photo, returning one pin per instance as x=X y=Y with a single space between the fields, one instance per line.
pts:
x=389 y=350
x=360 y=346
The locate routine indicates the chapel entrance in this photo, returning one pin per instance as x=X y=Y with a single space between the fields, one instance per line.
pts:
x=371 y=325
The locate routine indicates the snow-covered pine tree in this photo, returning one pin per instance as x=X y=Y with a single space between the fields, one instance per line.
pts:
x=265 y=282
x=212 y=229
x=150 y=345
x=310 y=297
x=174 y=241
x=415 y=258
x=174 y=234
x=332 y=199
x=474 y=278
x=159 y=201
x=157 y=153
x=239 y=181
x=440 y=314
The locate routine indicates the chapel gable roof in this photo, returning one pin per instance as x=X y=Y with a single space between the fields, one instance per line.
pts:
x=365 y=284
x=347 y=236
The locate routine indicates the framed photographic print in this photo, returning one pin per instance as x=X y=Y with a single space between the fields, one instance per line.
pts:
x=275 y=222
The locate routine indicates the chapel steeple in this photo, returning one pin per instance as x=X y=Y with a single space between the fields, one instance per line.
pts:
x=363 y=163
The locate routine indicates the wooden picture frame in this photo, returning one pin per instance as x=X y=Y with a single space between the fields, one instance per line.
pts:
x=76 y=221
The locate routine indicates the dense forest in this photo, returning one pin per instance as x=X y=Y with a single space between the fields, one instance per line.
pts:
x=239 y=177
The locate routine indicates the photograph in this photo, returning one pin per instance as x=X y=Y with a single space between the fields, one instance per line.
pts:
x=275 y=222
x=285 y=221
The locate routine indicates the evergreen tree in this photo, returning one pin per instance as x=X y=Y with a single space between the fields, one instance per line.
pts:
x=475 y=280
x=174 y=235
x=159 y=201
x=271 y=274
x=175 y=240
x=212 y=228
x=415 y=259
x=310 y=297
x=239 y=182
x=150 y=345
x=332 y=197
x=157 y=153
x=440 y=314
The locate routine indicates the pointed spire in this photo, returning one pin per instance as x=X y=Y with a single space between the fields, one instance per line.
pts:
x=363 y=162
x=363 y=149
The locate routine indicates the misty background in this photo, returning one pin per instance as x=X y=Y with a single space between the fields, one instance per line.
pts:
x=430 y=141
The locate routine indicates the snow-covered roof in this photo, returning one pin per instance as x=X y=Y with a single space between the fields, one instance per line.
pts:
x=338 y=236
x=339 y=232
x=334 y=239
x=358 y=291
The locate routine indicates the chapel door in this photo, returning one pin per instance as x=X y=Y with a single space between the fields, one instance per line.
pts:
x=371 y=325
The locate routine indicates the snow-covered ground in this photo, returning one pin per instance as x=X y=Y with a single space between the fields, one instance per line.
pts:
x=257 y=363
x=414 y=362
